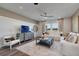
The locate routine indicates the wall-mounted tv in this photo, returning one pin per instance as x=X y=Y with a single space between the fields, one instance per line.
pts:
x=24 y=28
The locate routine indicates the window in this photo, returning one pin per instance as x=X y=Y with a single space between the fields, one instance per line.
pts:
x=55 y=26
x=48 y=26
x=52 y=26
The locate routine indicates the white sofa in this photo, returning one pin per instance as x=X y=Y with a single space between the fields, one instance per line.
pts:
x=70 y=48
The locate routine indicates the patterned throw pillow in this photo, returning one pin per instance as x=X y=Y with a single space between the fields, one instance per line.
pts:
x=72 y=38
x=67 y=38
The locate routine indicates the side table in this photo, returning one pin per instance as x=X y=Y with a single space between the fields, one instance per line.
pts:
x=38 y=38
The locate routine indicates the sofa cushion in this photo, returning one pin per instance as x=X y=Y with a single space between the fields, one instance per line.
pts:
x=69 y=49
x=9 y=39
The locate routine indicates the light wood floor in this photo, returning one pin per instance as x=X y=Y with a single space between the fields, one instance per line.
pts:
x=5 y=51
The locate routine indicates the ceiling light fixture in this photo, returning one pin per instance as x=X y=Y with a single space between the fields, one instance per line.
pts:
x=59 y=17
x=35 y=3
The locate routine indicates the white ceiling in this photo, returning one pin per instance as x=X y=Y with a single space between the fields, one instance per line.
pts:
x=58 y=10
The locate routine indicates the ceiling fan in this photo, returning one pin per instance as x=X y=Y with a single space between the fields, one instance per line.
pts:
x=45 y=16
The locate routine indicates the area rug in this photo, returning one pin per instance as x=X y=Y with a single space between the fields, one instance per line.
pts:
x=38 y=50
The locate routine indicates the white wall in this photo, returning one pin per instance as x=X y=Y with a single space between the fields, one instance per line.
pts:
x=75 y=21
x=10 y=26
x=75 y=24
x=67 y=25
x=10 y=14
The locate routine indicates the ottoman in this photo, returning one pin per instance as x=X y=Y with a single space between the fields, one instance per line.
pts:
x=47 y=42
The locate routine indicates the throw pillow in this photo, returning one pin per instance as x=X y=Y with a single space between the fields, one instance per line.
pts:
x=72 y=39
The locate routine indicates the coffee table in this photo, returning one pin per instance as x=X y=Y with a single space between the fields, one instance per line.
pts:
x=48 y=42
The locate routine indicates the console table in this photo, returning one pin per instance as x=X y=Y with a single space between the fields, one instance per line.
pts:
x=26 y=36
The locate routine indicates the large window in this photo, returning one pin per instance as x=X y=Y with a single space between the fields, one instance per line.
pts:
x=48 y=26
x=55 y=25
x=52 y=26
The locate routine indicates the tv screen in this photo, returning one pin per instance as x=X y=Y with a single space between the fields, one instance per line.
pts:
x=24 y=28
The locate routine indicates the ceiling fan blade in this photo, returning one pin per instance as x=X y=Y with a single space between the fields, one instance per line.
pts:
x=43 y=15
x=46 y=16
x=50 y=16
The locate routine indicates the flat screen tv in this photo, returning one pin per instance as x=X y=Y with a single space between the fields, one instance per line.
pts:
x=24 y=28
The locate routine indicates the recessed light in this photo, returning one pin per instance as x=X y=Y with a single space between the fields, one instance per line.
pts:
x=21 y=7
x=59 y=17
